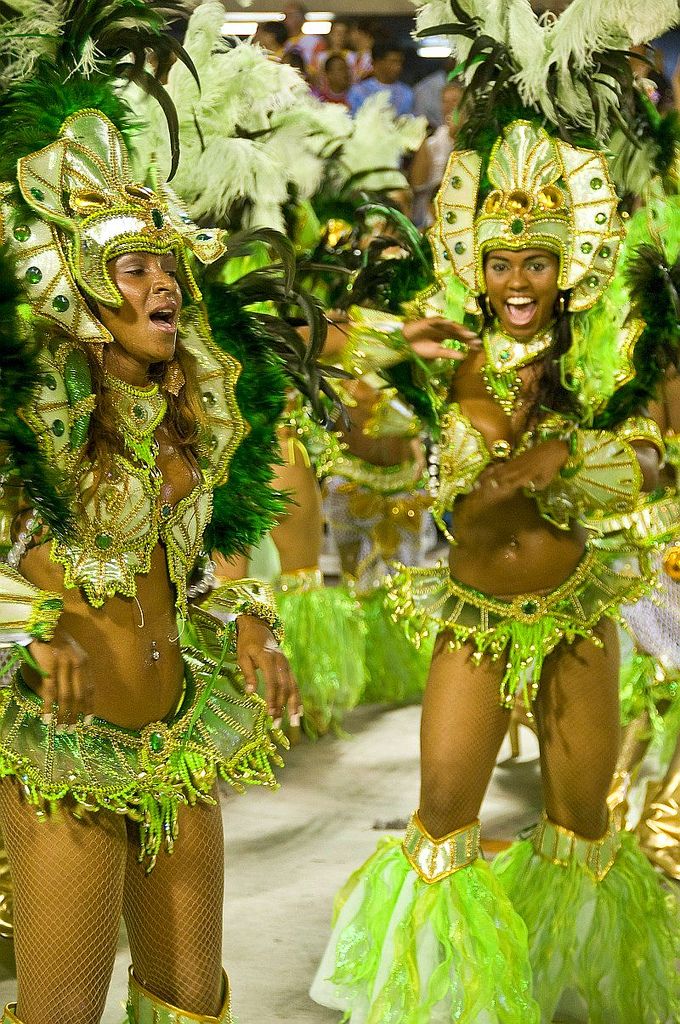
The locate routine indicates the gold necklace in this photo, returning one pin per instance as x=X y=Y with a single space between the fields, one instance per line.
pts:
x=504 y=356
x=139 y=412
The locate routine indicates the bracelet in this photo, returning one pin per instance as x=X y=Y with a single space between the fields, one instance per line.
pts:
x=265 y=613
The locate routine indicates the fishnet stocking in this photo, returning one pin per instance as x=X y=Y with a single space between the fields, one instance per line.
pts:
x=68 y=879
x=174 y=914
x=577 y=714
x=462 y=728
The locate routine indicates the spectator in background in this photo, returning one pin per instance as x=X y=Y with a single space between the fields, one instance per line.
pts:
x=429 y=164
x=427 y=94
x=362 y=36
x=308 y=46
x=388 y=63
x=335 y=80
x=272 y=36
x=296 y=60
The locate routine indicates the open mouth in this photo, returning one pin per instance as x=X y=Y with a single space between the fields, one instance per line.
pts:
x=520 y=310
x=164 y=319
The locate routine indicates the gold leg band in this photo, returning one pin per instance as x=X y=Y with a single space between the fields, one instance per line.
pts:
x=562 y=846
x=434 y=859
x=9 y=1016
x=146 y=1008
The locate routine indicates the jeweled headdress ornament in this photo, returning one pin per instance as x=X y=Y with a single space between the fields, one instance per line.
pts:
x=544 y=193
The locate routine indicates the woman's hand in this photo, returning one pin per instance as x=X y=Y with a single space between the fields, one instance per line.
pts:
x=534 y=470
x=63 y=686
x=426 y=338
x=256 y=648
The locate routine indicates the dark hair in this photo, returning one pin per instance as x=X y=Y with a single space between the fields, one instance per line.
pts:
x=296 y=60
x=276 y=29
x=381 y=50
x=334 y=58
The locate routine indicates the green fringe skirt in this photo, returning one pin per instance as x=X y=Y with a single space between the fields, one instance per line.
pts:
x=218 y=731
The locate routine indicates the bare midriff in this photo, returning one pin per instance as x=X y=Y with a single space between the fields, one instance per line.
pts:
x=134 y=662
x=507 y=547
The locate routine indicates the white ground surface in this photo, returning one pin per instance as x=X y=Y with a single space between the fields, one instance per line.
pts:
x=289 y=851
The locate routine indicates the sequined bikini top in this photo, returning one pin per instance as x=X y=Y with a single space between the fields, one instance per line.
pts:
x=119 y=514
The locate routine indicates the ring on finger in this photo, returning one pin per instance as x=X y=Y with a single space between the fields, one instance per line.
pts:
x=531 y=486
x=494 y=483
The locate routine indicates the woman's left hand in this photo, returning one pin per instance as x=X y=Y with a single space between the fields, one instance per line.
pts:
x=257 y=649
x=534 y=470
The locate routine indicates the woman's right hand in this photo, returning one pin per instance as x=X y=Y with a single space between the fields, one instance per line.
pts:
x=62 y=685
x=427 y=338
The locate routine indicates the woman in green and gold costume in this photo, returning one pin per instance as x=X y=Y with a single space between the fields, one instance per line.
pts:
x=123 y=469
x=548 y=467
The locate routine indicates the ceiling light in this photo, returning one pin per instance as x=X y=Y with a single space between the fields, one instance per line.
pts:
x=440 y=52
x=317 y=28
x=320 y=16
x=254 y=16
x=239 y=28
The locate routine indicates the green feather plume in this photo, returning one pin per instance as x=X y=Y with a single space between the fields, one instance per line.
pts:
x=247 y=506
x=21 y=459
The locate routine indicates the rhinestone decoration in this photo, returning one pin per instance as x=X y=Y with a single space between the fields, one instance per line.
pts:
x=22 y=232
x=596 y=183
x=60 y=303
x=459 y=248
x=103 y=541
x=34 y=275
x=157 y=217
x=600 y=218
x=586 y=248
x=58 y=428
x=38 y=194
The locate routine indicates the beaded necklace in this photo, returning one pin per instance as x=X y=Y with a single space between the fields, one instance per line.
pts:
x=504 y=356
x=139 y=412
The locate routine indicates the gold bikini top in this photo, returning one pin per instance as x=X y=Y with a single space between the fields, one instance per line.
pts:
x=120 y=517
x=602 y=475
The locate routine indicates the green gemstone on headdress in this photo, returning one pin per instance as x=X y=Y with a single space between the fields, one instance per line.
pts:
x=600 y=218
x=58 y=428
x=103 y=541
x=34 y=275
x=593 y=281
x=60 y=303
x=517 y=226
x=456 y=181
x=138 y=412
x=156 y=742
x=586 y=248
x=50 y=382
x=605 y=252
x=38 y=194
x=203 y=237
x=530 y=607
x=504 y=355
x=459 y=248
x=596 y=183
x=157 y=217
x=451 y=217
x=446 y=256
x=22 y=232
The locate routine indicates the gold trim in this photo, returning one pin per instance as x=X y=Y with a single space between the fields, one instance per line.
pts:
x=561 y=846
x=138 y=995
x=434 y=859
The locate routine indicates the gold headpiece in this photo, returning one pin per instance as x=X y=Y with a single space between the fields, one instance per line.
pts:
x=87 y=210
x=546 y=194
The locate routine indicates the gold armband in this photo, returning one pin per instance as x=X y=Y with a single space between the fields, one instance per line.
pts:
x=26 y=613
x=642 y=428
x=375 y=342
x=245 y=597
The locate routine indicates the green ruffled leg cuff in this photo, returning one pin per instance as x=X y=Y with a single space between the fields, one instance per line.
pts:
x=143 y=1007
x=324 y=641
x=396 y=670
x=600 y=925
x=423 y=933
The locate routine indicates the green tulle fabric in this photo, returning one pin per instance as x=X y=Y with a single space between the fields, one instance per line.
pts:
x=396 y=671
x=615 y=941
x=324 y=640
x=406 y=952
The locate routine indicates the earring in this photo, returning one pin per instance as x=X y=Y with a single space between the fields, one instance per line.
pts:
x=174 y=379
x=562 y=304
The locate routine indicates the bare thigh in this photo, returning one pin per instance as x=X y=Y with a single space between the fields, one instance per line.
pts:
x=299 y=534
x=462 y=728
x=68 y=882
x=174 y=913
x=577 y=714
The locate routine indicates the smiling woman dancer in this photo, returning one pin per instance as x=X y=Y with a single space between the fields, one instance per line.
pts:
x=541 y=556
x=121 y=424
